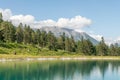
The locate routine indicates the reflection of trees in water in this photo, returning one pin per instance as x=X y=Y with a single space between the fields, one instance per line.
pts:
x=50 y=70
x=102 y=65
x=115 y=65
x=86 y=67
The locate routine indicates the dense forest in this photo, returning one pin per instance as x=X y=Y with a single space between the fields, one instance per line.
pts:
x=23 y=34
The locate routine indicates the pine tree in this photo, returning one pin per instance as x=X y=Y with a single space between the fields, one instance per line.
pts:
x=82 y=46
x=38 y=36
x=33 y=37
x=73 y=44
x=63 y=41
x=59 y=43
x=43 y=38
x=102 y=48
x=114 y=50
x=27 y=35
x=9 y=31
x=19 y=33
x=78 y=49
x=67 y=44
x=86 y=47
x=89 y=47
x=52 y=41
x=1 y=18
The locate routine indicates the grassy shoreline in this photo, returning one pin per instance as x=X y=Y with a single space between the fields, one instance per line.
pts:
x=69 y=57
x=30 y=52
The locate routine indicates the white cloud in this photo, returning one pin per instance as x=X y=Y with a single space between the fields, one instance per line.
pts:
x=27 y=19
x=76 y=22
x=44 y=23
x=6 y=13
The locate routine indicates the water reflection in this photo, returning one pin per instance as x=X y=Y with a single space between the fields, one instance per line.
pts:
x=60 y=70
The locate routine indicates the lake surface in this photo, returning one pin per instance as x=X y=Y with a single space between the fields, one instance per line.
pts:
x=60 y=70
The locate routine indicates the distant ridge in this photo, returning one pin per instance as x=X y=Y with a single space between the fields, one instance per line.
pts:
x=57 y=31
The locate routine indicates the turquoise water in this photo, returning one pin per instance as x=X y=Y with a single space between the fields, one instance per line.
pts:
x=60 y=70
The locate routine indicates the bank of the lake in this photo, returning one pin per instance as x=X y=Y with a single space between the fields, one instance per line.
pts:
x=15 y=51
x=6 y=57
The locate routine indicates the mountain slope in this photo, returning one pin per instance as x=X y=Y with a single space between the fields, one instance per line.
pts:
x=68 y=32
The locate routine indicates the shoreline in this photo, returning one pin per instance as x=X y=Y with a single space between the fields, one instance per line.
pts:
x=40 y=58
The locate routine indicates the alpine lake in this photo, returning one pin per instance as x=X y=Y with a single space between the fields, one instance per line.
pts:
x=60 y=70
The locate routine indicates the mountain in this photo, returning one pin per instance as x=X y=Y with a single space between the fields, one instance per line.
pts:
x=114 y=42
x=57 y=31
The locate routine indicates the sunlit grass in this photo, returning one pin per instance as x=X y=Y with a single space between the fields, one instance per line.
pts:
x=8 y=50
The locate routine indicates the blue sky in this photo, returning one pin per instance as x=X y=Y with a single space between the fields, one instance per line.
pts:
x=104 y=14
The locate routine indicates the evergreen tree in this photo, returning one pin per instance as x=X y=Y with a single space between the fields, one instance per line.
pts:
x=43 y=38
x=1 y=32
x=27 y=35
x=86 y=47
x=9 y=31
x=63 y=41
x=114 y=50
x=52 y=41
x=1 y=18
x=59 y=43
x=78 y=49
x=33 y=37
x=102 y=48
x=67 y=44
x=19 y=33
x=90 y=49
x=81 y=46
x=70 y=44
x=1 y=35
x=73 y=44
x=38 y=36
x=117 y=52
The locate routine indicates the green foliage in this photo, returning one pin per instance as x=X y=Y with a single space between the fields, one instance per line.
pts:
x=114 y=50
x=62 y=42
x=19 y=33
x=8 y=31
x=86 y=47
x=52 y=45
x=1 y=17
x=43 y=38
x=25 y=40
x=27 y=34
x=102 y=48
x=70 y=44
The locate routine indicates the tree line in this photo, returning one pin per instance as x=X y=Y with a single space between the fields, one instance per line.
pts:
x=23 y=34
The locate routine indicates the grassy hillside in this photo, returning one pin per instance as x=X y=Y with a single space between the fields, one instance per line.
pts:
x=8 y=50
x=21 y=49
